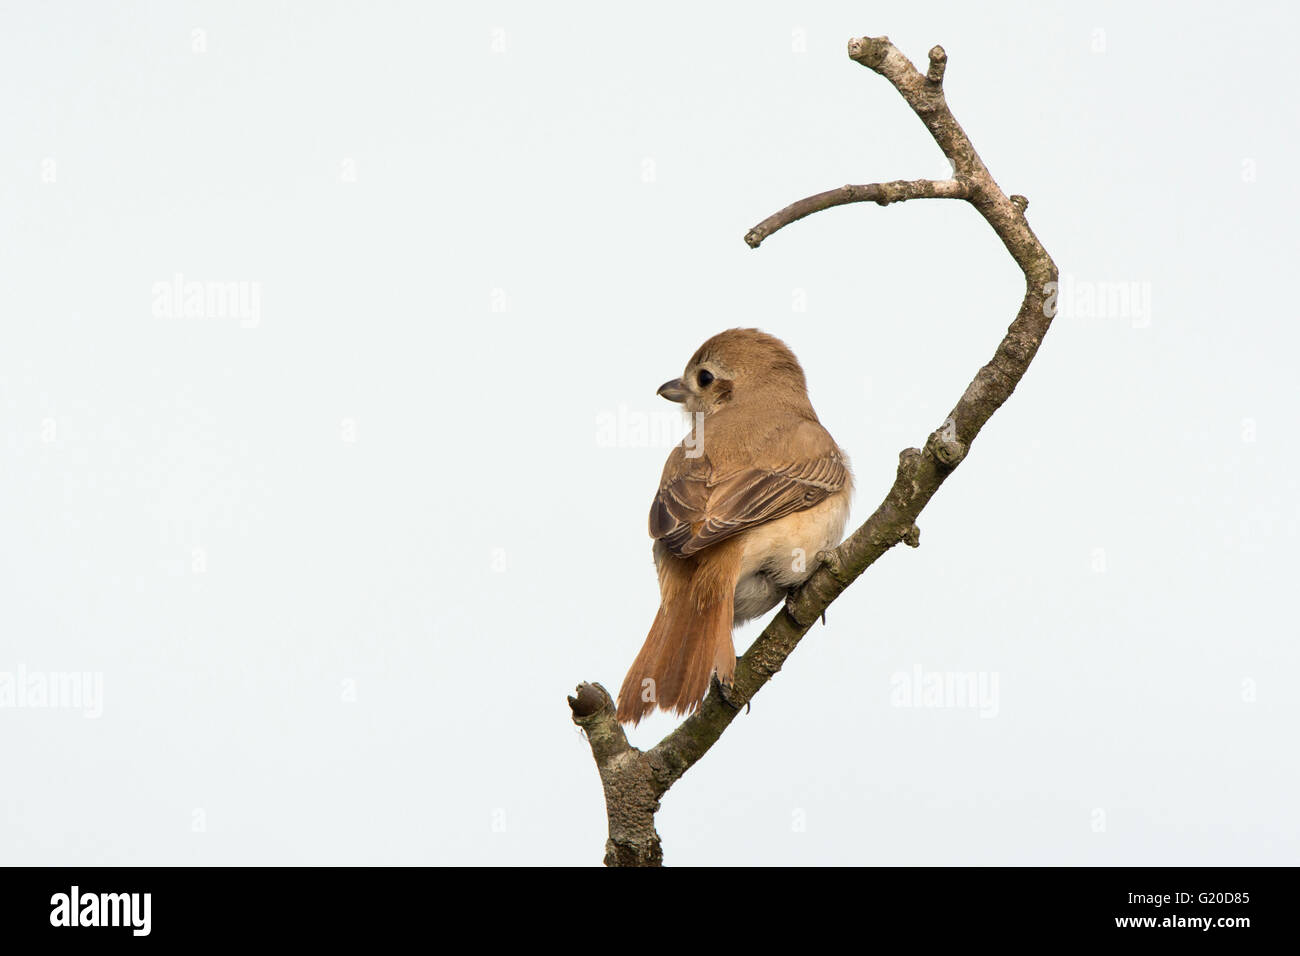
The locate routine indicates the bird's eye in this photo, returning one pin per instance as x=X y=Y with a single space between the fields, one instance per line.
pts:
x=705 y=378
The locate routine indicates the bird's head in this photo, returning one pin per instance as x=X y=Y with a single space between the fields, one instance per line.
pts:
x=737 y=365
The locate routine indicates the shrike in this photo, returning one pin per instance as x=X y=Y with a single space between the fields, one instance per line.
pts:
x=746 y=502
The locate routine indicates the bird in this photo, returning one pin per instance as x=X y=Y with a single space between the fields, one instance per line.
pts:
x=748 y=499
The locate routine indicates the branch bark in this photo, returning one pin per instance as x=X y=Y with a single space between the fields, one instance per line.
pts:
x=635 y=780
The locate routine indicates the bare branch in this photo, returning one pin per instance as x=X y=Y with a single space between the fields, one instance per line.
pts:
x=938 y=63
x=628 y=772
x=631 y=790
x=880 y=193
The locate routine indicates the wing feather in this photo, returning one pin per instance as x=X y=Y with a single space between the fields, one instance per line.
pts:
x=698 y=505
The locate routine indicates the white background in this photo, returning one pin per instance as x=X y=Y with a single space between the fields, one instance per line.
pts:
x=338 y=565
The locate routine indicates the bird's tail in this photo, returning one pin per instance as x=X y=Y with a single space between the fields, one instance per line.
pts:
x=690 y=638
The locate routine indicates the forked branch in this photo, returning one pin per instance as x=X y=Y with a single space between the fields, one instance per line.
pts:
x=635 y=780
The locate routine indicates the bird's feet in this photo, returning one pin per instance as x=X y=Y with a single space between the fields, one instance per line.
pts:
x=789 y=601
x=790 y=607
x=726 y=694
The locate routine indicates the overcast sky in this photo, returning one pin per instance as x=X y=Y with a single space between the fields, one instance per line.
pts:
x=329 y=429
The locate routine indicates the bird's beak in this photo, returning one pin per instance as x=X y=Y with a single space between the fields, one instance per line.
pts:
x=674 y=391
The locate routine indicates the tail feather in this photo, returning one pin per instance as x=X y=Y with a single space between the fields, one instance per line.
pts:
x=689 y=640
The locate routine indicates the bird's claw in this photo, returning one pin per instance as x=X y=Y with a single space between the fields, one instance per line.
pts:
x=789 y=602
x=724 y=693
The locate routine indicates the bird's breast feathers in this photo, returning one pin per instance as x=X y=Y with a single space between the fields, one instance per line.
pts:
x=781 y=554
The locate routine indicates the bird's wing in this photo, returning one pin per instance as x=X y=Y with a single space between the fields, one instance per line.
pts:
x=700 y=504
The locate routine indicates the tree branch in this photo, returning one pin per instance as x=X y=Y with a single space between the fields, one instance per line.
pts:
x=635 y=780
x=882 y=194
x=631 y=792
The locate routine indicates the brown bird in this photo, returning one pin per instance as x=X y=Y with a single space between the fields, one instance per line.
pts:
x=746 y=501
